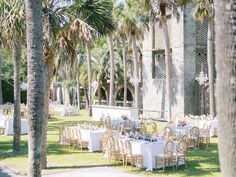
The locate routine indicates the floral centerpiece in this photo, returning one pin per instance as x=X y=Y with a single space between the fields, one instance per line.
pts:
x=182 y=123
x=124 y=117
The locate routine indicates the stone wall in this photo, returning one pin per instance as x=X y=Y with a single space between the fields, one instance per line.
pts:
x=184 y=97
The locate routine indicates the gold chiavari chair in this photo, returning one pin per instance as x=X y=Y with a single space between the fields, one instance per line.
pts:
x=104 y=141
x=112 y=151
x=204 y=135
x=107 y=123
x=194 y=137
x=133 y=159
x=68 y=135
x=80 y=143
x=167 y=156
x=181 y=153
x=122 y=152
x=154 y=129
x=143 y=128
x=2 y=130
x=62 y=135
x=168 y=132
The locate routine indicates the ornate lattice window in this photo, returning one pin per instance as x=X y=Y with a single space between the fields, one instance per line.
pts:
x=201 y=33
x=158 y=33
x=201 y=61
x=159 y=64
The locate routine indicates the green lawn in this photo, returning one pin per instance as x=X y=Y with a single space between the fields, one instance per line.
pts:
x=203 y=162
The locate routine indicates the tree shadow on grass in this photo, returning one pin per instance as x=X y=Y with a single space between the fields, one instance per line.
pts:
x=6 y=150
x=55 y=126
x=202 y=162
x=81 y=166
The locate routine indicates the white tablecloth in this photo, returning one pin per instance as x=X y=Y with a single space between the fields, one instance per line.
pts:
x=213 y=125
x=149 y=150
x=7 y=123
x=93 y=137
x=67 y=111
x=181 y=131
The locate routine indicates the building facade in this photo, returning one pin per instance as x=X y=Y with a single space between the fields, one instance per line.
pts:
x=188 y=42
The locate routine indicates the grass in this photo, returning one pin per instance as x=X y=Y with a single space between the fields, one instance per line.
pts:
x=203 y=162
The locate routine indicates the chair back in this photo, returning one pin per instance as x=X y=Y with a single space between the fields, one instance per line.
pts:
x=143 y=128
x=181 y=147
x=167 y=132
x=154 y=129
x=117 y=145
x=206 y=128
x=185 y=138
x=78 y=134
x=169 y=148
x=194 y=132
x=107 y=123
x=111 y=143
x=121 y=146
x=128 y=147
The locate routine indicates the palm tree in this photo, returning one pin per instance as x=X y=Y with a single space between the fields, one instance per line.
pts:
x=112 y=70
x=1 y=58
x=12 y=29
x=134 y=25
x=36 y=90
x=101 y=63
x=98 y=14
x=225 y=84
x=120 y=16
x=204 y=10
x=1 y=99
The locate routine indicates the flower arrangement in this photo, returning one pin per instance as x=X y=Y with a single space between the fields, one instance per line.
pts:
x=182 y=123
x=124 y=117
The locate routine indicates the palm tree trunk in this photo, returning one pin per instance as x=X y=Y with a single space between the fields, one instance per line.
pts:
x=86 y=98
x=45 y=122
x=89 y=78
x=168 y=65
x=1 y=98
x=49 y=65
x=99 y=93
x=210 y=51
x=78 y=90
x=225 y=23
x=36 y=85
x=125 y=68
x=16 y=57
x=112 y=70
x=136 y=72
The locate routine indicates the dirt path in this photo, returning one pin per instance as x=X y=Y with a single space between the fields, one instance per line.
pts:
x=83 y=172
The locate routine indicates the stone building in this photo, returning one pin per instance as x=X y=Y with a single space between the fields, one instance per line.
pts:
x=188 y=41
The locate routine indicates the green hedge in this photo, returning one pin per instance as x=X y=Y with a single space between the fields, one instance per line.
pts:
x=8 y=93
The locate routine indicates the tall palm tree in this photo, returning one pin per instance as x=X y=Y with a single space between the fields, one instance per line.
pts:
x=36 y=90
x=1 y=58
x=53 y=18
x=204 y=10
x=1 y=99
x=98 y=14
x=119 y=17
x=134 y=25
x=12 y=29
x=225 y=84
x=112 y=69
x=101 y=63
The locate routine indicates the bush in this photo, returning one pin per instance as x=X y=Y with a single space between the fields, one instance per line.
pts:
x=8 y=93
